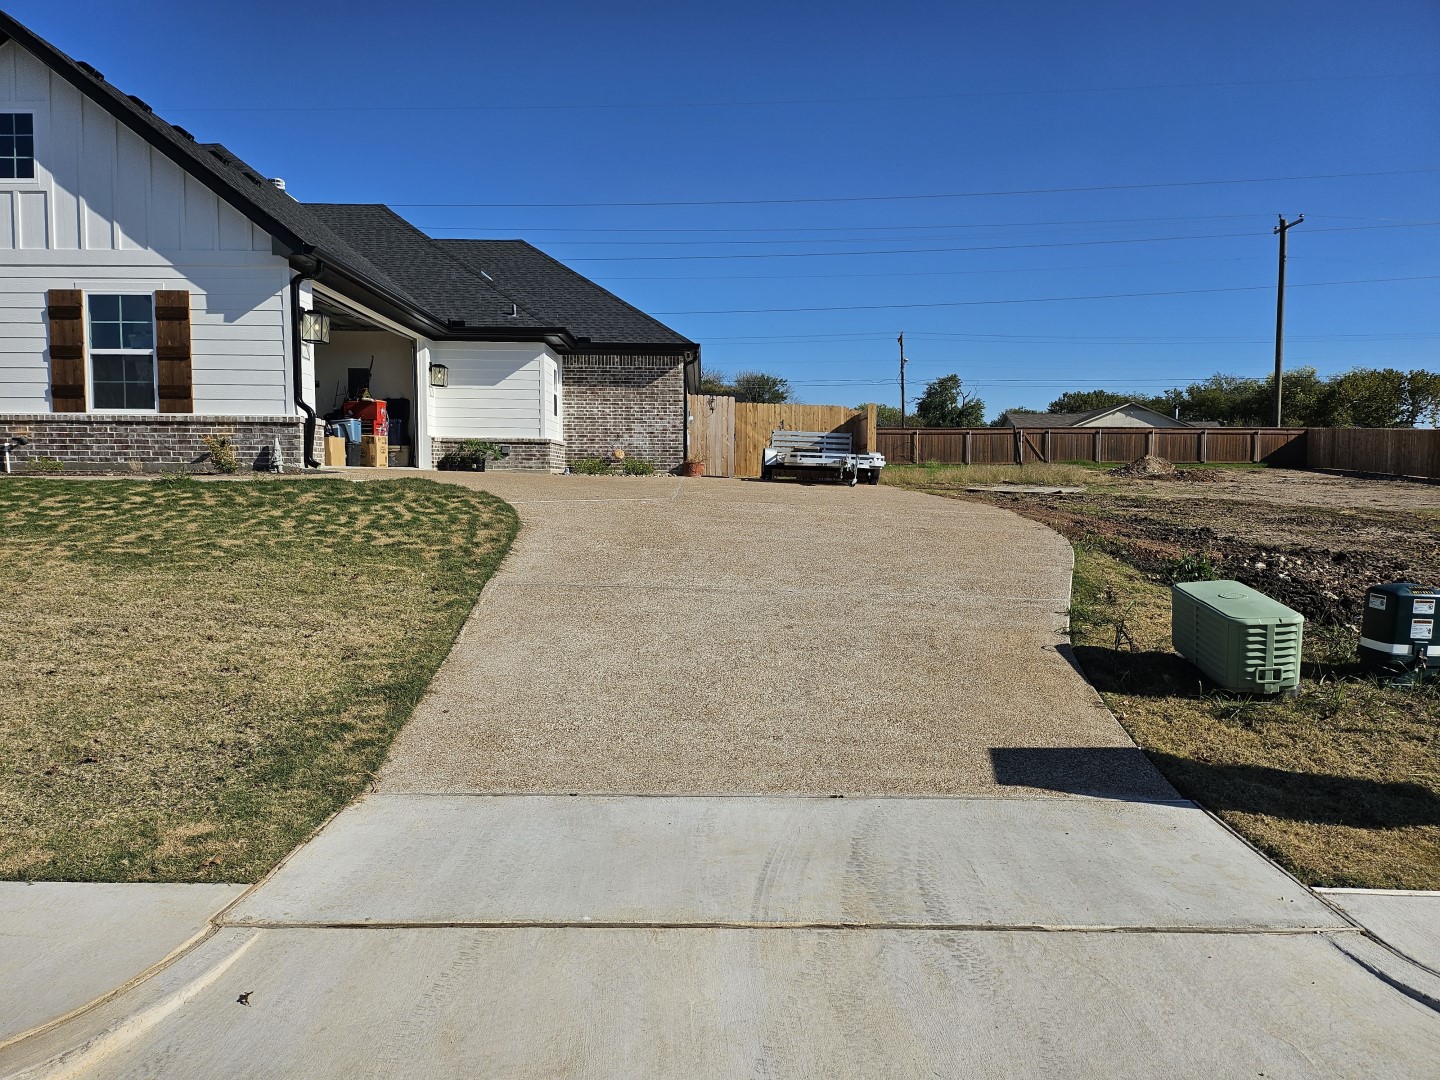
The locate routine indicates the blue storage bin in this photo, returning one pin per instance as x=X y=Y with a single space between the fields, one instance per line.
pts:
x=349 y=430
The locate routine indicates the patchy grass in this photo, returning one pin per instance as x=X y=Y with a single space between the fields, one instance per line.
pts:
x=1340 y=784
x=937 y=477
x=199 y=673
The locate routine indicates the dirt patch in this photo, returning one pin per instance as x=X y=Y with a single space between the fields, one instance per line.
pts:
x=1148 y=466
x=1320 y=562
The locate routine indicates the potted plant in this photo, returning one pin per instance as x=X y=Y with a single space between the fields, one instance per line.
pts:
x=692 y=466
x=471 y=457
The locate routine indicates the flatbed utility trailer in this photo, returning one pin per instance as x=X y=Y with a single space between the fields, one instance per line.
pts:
x=819 y=455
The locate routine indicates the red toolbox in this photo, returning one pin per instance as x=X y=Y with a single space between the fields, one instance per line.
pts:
x=371 y=414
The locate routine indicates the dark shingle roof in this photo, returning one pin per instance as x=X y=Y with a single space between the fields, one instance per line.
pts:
x=540 y=282
x=441 y=283
x=1059 y=420
x=1049 y=419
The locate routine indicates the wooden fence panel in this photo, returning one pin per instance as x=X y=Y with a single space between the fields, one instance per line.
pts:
x=1389 y=451
x=712 y=432
x=1116 y=446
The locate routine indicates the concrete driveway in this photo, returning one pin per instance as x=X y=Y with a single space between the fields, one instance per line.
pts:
x=740 y=780
x=728 y=637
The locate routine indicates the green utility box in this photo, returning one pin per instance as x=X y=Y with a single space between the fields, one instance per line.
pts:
x=1242 y=639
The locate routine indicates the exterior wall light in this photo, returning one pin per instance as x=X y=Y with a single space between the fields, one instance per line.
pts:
x=439 y=375
x=315 y=327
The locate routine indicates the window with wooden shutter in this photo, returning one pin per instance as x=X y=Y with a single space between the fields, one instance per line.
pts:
x=172 y=350
x=66 y=309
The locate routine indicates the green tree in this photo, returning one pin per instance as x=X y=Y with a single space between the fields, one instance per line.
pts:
x=1383 y=397
x=946 y=403
x=885 y=415
x=714 y=383
x=1077 y=401
x=759 y=387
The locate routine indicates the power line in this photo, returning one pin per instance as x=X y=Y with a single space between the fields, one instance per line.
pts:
x=940 y=273
x=907 y=198
x=767 y=102
x=975 y=247
x=849 y=228
x=1041 y=299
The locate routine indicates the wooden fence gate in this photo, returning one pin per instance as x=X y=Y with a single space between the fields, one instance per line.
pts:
x=712 y=432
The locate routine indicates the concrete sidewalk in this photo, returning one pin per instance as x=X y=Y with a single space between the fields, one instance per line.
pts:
x=64 y=944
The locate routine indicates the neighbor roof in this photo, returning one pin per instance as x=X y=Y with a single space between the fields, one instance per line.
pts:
x=1059 y=420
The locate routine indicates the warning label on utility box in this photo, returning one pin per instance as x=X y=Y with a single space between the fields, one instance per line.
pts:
x=1421 y=629
x=1377 y=600
x=1424 y=607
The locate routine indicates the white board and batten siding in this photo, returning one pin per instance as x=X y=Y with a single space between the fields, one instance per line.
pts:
x=498 y=390
x=107 y=213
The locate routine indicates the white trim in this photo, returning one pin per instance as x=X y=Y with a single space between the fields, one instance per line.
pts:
x=25 y=183
x=1380 y=892
x=90 y=351
x=1388 y=648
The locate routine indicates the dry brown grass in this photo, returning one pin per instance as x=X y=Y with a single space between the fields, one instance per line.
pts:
x=1340 y=784
x=198 y=673
x=935 y=477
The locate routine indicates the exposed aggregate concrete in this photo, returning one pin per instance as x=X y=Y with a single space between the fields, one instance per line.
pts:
x=666 y=636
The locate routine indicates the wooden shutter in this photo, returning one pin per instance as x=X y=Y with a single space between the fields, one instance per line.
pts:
x=172 y=351
x=66 y=308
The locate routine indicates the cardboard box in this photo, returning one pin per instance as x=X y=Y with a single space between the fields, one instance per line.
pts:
x=334 y=450
x=400 y=457
x=375 y=451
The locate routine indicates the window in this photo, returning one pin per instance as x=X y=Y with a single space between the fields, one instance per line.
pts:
x=122 y=352
x=17 y=146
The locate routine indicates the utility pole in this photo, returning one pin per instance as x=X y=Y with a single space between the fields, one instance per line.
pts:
x=901 y=339
x=1281 y=230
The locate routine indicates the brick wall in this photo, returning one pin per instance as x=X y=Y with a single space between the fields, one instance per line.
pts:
x=635 y=403
x=521 y=455
x=112 y=442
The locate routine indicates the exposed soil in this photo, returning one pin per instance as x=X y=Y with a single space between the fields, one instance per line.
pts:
x=1262 y=528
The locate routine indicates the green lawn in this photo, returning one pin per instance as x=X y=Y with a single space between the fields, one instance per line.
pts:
x=197 y=674
x=1339 y=783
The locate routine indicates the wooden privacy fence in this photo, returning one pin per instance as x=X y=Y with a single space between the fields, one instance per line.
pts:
x=1010 y=446
x=1392 y=451
x=729 y=435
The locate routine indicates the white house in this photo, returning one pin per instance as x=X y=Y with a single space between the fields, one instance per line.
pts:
x=1126 y=415
x=154 y=289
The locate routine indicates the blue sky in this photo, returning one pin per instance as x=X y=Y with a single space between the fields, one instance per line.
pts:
x=468 y=119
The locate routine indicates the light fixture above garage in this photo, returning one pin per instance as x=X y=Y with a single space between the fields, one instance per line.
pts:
x=315 y=327
x=439 y=375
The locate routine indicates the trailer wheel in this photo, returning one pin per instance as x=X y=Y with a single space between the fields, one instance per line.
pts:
x=873 y=478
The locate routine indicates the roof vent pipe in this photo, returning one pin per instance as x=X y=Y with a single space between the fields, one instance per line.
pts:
x=513 y=313
x=278 y=183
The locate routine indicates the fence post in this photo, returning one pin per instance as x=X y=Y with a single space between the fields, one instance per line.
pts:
x=1255 y=446
x=1203 y=449
x=914 y=448
x=1019 y=446
x=1047 y=446
x=1099 y=447
x=1150 y=437
x=965 y=448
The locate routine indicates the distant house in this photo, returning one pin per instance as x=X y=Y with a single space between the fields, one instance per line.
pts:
x=1127 y=415
x=155 y=290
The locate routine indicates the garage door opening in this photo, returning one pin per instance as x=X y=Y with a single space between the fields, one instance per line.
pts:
x=368 y=372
